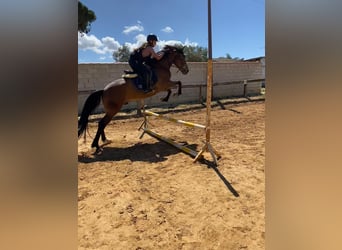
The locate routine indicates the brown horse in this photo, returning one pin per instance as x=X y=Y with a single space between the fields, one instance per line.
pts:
x=123 y=90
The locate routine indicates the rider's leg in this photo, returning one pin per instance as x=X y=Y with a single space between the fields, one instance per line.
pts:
x=148 y=77
x=154 y=77
x=140 y=70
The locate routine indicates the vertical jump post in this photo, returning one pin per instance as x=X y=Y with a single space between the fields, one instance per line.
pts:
x=207 y=146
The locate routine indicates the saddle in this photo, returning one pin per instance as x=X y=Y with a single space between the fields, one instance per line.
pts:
x=129 y=74
x=137 y=80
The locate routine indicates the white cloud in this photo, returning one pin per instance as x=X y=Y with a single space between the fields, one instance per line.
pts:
x=88 y=42
x=167 y=29
x=139 y=40
x=134 y=28
x=189 y=43
x=110 y=44
x=162 y=43
x=106 y=45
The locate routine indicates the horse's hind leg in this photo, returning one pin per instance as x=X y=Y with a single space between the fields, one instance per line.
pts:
x=104 y=138
x=100 y=131
x=111 y=108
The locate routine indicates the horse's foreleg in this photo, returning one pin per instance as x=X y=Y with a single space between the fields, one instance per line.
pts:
x=179 y=87
x=166 y=98
x=167 y=86
x=179 y=83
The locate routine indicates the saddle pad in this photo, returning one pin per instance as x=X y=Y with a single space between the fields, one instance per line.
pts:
x=129 y=75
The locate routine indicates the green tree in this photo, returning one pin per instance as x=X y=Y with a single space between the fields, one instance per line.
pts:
x=192 y=53
x=196 y=53
x=122 y=54
x=228 y=56
x=85 y=18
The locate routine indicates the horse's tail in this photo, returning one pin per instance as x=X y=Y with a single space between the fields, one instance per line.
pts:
x=90 y=104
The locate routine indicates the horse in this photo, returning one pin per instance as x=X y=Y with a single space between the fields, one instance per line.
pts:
x=121 y=91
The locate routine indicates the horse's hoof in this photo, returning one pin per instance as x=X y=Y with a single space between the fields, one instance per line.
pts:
x=98 y=151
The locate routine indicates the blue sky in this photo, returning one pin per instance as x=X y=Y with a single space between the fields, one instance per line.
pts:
x=238 y=26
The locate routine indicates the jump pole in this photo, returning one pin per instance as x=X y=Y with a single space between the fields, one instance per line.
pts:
x=185 y=149
x=189 y=124
x=171 y=142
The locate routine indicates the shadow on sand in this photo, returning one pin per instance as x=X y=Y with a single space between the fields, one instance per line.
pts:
x=150 y=153
x=145 y=152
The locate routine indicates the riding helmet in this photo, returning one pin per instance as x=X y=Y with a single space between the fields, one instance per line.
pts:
x=152 y=37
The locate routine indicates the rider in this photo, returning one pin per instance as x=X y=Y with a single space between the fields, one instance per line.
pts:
x=140 y=56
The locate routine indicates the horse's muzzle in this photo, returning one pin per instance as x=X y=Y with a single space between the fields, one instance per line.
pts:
x=184 y=69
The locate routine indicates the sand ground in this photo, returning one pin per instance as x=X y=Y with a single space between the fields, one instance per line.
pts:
x=145 y=194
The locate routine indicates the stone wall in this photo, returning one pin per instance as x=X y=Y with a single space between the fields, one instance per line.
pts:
x=228 y=80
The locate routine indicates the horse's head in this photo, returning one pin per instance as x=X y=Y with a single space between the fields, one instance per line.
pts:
x=176 y=57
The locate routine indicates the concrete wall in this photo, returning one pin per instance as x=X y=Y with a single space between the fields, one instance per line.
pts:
x=95 y=76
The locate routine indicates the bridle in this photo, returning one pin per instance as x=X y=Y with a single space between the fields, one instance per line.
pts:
x=184 y=67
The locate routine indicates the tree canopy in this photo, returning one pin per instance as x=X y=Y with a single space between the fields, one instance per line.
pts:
x=192 y=54
x=122 y=54
x=85 y=18
x=228 y=56
x=195 y=53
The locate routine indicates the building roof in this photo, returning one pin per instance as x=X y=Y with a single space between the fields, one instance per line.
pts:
x=255 y=59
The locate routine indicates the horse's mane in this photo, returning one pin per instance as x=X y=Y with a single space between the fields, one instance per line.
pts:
x=170 y=48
